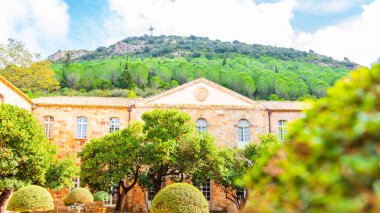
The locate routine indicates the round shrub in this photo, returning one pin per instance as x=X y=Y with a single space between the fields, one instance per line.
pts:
x=101 y=196
x=179 y=198
x=78 y=196
x=30 y=199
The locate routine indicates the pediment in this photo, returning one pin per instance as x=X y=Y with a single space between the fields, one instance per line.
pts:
x=201 y=92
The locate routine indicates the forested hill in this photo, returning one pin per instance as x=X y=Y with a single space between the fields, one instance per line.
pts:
x=148 y=65
x=194 y=47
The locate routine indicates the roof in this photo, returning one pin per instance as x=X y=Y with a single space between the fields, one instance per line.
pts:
x=285 y=105
x=207 y=82
x=80 y=101
x=14 y=89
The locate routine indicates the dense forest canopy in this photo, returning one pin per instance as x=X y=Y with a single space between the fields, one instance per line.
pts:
x=147 y=65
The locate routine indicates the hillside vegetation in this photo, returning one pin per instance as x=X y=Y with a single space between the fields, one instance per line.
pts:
x=147 y=65
x=154 y=64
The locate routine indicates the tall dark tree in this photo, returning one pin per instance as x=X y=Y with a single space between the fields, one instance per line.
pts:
x=66 y=64
x=125 y=78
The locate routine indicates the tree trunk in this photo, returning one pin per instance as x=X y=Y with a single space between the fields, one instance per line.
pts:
x=126 y=194
x=157 y=185
x=4 y=197
x=119 y=197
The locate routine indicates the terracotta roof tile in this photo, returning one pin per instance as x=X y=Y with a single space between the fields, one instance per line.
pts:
x=117 y=102
x=285 y=105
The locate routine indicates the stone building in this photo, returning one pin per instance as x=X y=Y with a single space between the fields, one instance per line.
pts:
x=9 y=94
x=233 y=119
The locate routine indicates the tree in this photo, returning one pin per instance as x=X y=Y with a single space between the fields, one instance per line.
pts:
x=65 y=81
x=173 y=147
x=26 y=156
x=125 y=78
x=15 y=54
x=234 y=163
x=139 y=73
x=330 y=162
x=113 y=158
x=37 y=77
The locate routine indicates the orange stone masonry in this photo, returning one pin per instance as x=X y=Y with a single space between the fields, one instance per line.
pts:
x=220 y=107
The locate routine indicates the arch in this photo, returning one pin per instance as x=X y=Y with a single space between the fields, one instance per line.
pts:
x=243 y=133
x=202 y=125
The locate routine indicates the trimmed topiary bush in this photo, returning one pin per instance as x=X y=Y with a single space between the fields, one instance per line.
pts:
x=30 y=199
x=101 y=196
x=78 y=196
x=179 y=198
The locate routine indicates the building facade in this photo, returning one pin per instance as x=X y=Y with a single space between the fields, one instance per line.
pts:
x=233 y=119
x=9 y=94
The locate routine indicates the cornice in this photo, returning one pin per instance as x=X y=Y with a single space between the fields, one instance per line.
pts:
x=14 y=89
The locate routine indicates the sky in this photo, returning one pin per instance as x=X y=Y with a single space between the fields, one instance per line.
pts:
x=336 y=28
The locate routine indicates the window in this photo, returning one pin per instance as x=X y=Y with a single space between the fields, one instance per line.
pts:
x=76 y=183
x=1 y=99
x=81 y=127
x=112 y=200
x=206 y=190
x=244 y=135
x=149 y=197
x=282 y=130
x=201 y=125
x=48 y=126
x=114 y=124
x=240 y=194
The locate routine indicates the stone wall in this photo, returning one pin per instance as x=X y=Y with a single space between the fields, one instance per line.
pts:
x=222 y=123
x=64 y=125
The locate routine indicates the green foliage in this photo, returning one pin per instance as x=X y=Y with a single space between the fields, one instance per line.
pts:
x=173 y=147
x=331 y=161
x=25 y=152
x=31 y=199
x=37 y=77
x=125 y=78
x=78 y=196
x=101 y=196
x=15 y=54
x=61 y=172
x=111 y=157
x=26 y=156
x=252 y=70
x=232 y=164
x=179 y=198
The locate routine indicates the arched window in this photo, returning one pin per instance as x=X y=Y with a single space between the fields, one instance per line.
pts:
x=81 y=127
x=48 y=126
x=244 y=133
x=114 y=124
x=202 y=125
x=1 y=99
x=282 y=129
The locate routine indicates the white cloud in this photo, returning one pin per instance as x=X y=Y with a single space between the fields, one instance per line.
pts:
x=243 y=20
x=39 y=24
x=326 y=6
x=356 y=38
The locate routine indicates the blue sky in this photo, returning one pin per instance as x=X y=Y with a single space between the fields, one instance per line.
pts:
x=337 y=28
